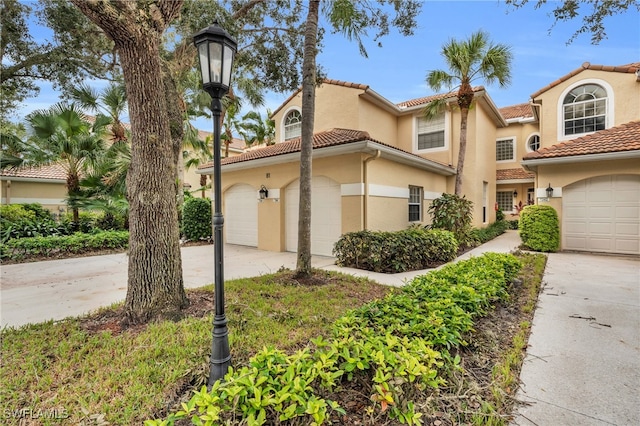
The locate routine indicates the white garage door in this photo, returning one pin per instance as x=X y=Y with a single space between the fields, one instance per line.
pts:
x=241 y=215
x=602 y=214
x=326 y=215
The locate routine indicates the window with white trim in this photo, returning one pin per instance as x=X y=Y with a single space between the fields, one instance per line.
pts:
x=292 y=125
x=505 y=150
x=415 y=204
x=505 y=200
x=533 y=143
x=584 y=110
x=430 y=132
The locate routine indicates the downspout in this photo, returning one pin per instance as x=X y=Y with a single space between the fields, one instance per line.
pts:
x=365 y=179
x=537 y=111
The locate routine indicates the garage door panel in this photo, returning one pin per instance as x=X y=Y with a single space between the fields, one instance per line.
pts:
x=326 y=215
x=241 y=215
x=602 y=214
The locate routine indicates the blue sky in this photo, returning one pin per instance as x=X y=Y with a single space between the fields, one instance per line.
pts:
x=397 y=70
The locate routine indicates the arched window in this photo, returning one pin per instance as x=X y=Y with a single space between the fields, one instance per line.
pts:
x=584 y=110
x=292 y=125
x=533 y=143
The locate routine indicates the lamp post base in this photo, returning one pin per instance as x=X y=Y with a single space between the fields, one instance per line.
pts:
x=220 y=354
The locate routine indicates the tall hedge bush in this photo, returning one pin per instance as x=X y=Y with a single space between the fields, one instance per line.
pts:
x=196 y=218
x=539 y=228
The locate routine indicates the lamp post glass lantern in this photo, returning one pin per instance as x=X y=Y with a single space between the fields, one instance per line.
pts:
x=216 y=50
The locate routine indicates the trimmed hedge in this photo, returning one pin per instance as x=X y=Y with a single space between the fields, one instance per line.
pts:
x=196 y=218
x=482 y=235
x=393 y=348
x=539 y=228
x=392 y=252
x=78 y=243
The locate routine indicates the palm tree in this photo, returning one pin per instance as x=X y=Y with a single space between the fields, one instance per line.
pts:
x=112 y=102
x=255 y=130
x=468 y=61
x=62 y=135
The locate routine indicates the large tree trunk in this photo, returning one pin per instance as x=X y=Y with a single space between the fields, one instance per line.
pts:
x=155 y=285
x=303 y=266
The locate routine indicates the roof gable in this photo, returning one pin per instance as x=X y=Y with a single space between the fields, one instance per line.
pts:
x=633 y=67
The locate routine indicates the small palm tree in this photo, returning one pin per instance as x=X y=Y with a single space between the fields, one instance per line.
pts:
x=62 y=135
x=256 y=130
x=112 y=102
x=468 y=60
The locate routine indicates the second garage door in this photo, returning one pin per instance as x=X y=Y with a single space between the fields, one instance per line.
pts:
x=602 y=214
x=326 y=215
x=241 y=215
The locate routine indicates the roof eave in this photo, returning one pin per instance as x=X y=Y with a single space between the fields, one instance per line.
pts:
x=606 y=156
x=365 y=146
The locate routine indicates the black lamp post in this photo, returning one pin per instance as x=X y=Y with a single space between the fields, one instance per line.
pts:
x=216 y=50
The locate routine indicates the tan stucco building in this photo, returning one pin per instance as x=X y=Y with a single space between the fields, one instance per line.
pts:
x=377 y=165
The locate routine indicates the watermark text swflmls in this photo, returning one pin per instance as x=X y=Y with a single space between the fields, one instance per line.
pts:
x=30 y=413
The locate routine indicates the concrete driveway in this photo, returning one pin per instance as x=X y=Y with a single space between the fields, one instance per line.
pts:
x=55 y=289
x=583 y=361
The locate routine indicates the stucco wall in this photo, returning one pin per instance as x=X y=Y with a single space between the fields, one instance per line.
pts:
x=50 y=194
x=624 y=96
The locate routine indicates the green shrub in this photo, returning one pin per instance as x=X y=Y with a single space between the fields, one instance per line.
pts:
x=407 y=250
x=393 y=348
x=109 y=221
x=78 y=243
x=539 y=228
x=482 y=235
x=513 y=224
x=39 y=211
x=453 y=213
x=196 y=218
x=87 y=221
x=499 y=215
x=15 y=212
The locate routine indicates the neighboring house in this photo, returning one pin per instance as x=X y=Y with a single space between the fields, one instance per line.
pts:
x=377 y=165
x=47 y=185
x=43 y=185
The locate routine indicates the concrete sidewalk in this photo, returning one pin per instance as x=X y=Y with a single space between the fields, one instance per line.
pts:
x=583 y=361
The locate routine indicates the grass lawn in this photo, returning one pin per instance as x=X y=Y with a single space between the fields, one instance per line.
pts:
x=90 y=371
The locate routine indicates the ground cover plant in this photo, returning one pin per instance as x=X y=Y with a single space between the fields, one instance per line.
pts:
x=91 y=370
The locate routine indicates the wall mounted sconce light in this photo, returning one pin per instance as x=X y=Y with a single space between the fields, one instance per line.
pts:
x=515 y=194
x=264 y=192
x=549 y=191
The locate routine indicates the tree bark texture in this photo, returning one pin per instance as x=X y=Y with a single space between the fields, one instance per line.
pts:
x=465 y=98
x=303 y=266
x=155 y=284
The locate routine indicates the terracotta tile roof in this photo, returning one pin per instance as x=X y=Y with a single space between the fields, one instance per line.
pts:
x=325 y=81
x=516 y=111
x=512 y=174
x=52 y=172
x=625 y=137
x=628 y=68
x=328 y=138
x=426 y=99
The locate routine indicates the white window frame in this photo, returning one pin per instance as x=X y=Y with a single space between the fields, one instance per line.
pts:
x=528 y=143
x=413 y=202
x=446 y=126
x=283 y=137
x=513 y=149
x=609 y=117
